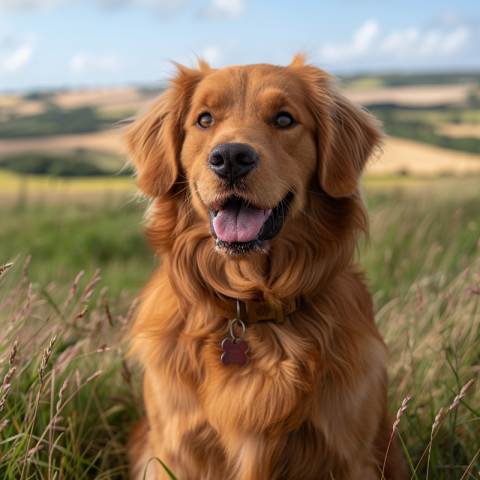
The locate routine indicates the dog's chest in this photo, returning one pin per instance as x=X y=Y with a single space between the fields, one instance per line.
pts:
x=279 y=379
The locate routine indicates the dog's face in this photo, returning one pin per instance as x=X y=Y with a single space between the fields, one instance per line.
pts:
x=249 y=148
x=251 y=142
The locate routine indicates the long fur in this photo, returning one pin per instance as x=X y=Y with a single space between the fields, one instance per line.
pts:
x=313 y=396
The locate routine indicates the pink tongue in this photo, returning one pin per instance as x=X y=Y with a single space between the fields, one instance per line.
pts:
x=235 y=223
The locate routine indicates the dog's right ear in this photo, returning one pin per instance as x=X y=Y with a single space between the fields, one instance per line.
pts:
x=154 y=141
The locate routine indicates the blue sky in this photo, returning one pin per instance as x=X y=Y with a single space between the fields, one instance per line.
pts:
x=74 y=43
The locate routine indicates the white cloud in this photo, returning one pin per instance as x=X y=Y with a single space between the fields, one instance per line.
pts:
x=456 y=40
x=16 y=49
x=218 y=9
x=232 y=9
x=22 y=6
x=9 y=38
x=366 y=35
x=82 y=62
x=78 y=62
x=161 y=7
x=18 y=59
x=164 y=8
x=452 y=19
x=212 y=54
x=412 y=44
x=398 y=42
x=362 y=42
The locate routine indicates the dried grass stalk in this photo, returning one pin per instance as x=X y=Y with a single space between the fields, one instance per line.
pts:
x=91 y=377
x=107 y=312
x=470 y=466
x=400 y=412
x=435 y=423
x=82 y=312
x=46 y=355
x=456 y=401
x=24 y=277
x=6 y=389
x=8 y=376
x=419 y=300
x=23 y=311
x=4 y=268
x=41 y=372
x=80 y=315
x=3 y=425
x=13 y=354
x=462 y=393
x=60 y=394
x=73 y=290
x=89 y=289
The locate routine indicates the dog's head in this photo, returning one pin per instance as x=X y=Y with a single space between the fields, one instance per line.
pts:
x=250 y=144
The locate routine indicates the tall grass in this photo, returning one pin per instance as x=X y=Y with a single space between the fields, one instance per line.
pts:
x=69 y=394
x=71 y=421
x=65 y=236
x=423 y=266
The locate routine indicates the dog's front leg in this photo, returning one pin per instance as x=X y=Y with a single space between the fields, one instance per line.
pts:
x=251 y=456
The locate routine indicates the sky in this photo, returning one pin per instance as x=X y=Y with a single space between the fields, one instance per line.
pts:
x=46 y=44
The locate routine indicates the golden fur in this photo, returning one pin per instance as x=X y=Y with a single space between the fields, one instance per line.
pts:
x=315 y=390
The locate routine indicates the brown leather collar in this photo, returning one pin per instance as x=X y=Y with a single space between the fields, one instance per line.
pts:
x=253 y=311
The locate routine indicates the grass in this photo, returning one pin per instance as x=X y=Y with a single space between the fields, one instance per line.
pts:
x=67 y=410
x=423 y=270
x=65 y=237
x=15 y=188
x=419 y=229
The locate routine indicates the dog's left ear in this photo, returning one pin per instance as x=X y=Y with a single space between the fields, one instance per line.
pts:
x=354 y=136
x=346 y=134
x=154 y=141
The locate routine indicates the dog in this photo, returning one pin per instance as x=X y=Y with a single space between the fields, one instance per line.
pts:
x=257 y=335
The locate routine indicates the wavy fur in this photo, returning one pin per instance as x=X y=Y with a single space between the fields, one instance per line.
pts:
x=314 y=392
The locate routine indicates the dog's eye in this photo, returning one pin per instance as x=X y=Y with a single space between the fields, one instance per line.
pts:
x=205 y=120
x=283 y=120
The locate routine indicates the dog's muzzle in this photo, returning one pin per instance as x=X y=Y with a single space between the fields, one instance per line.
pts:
x=240 y=228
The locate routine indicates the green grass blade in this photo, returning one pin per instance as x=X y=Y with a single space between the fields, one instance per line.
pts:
x=409 y=460
x=170 y=474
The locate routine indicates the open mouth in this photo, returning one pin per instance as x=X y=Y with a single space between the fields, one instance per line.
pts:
x=239 y=227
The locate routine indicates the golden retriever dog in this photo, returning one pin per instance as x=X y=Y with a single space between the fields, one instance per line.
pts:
x=257 y=335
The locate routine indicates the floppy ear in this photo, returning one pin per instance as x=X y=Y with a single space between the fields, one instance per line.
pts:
x=154 y=141
x=354 y=136
x=346 y=134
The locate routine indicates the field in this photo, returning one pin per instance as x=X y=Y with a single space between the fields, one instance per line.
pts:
x=422 y=267
x=70 y=392
x=83 y=127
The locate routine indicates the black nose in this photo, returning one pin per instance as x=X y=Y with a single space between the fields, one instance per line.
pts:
x=232 y=160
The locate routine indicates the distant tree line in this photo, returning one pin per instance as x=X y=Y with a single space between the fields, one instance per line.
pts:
x=422 y=131
x=52 y=122
x=403 y=80
x=68 y=166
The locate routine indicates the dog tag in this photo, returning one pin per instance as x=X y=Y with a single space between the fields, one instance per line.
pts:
x=235 y=352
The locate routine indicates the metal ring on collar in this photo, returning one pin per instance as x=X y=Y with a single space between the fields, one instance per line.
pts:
x=235 y=339
x=240 y=322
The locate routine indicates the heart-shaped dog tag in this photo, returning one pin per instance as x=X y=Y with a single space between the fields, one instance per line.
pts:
x=235 y=352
